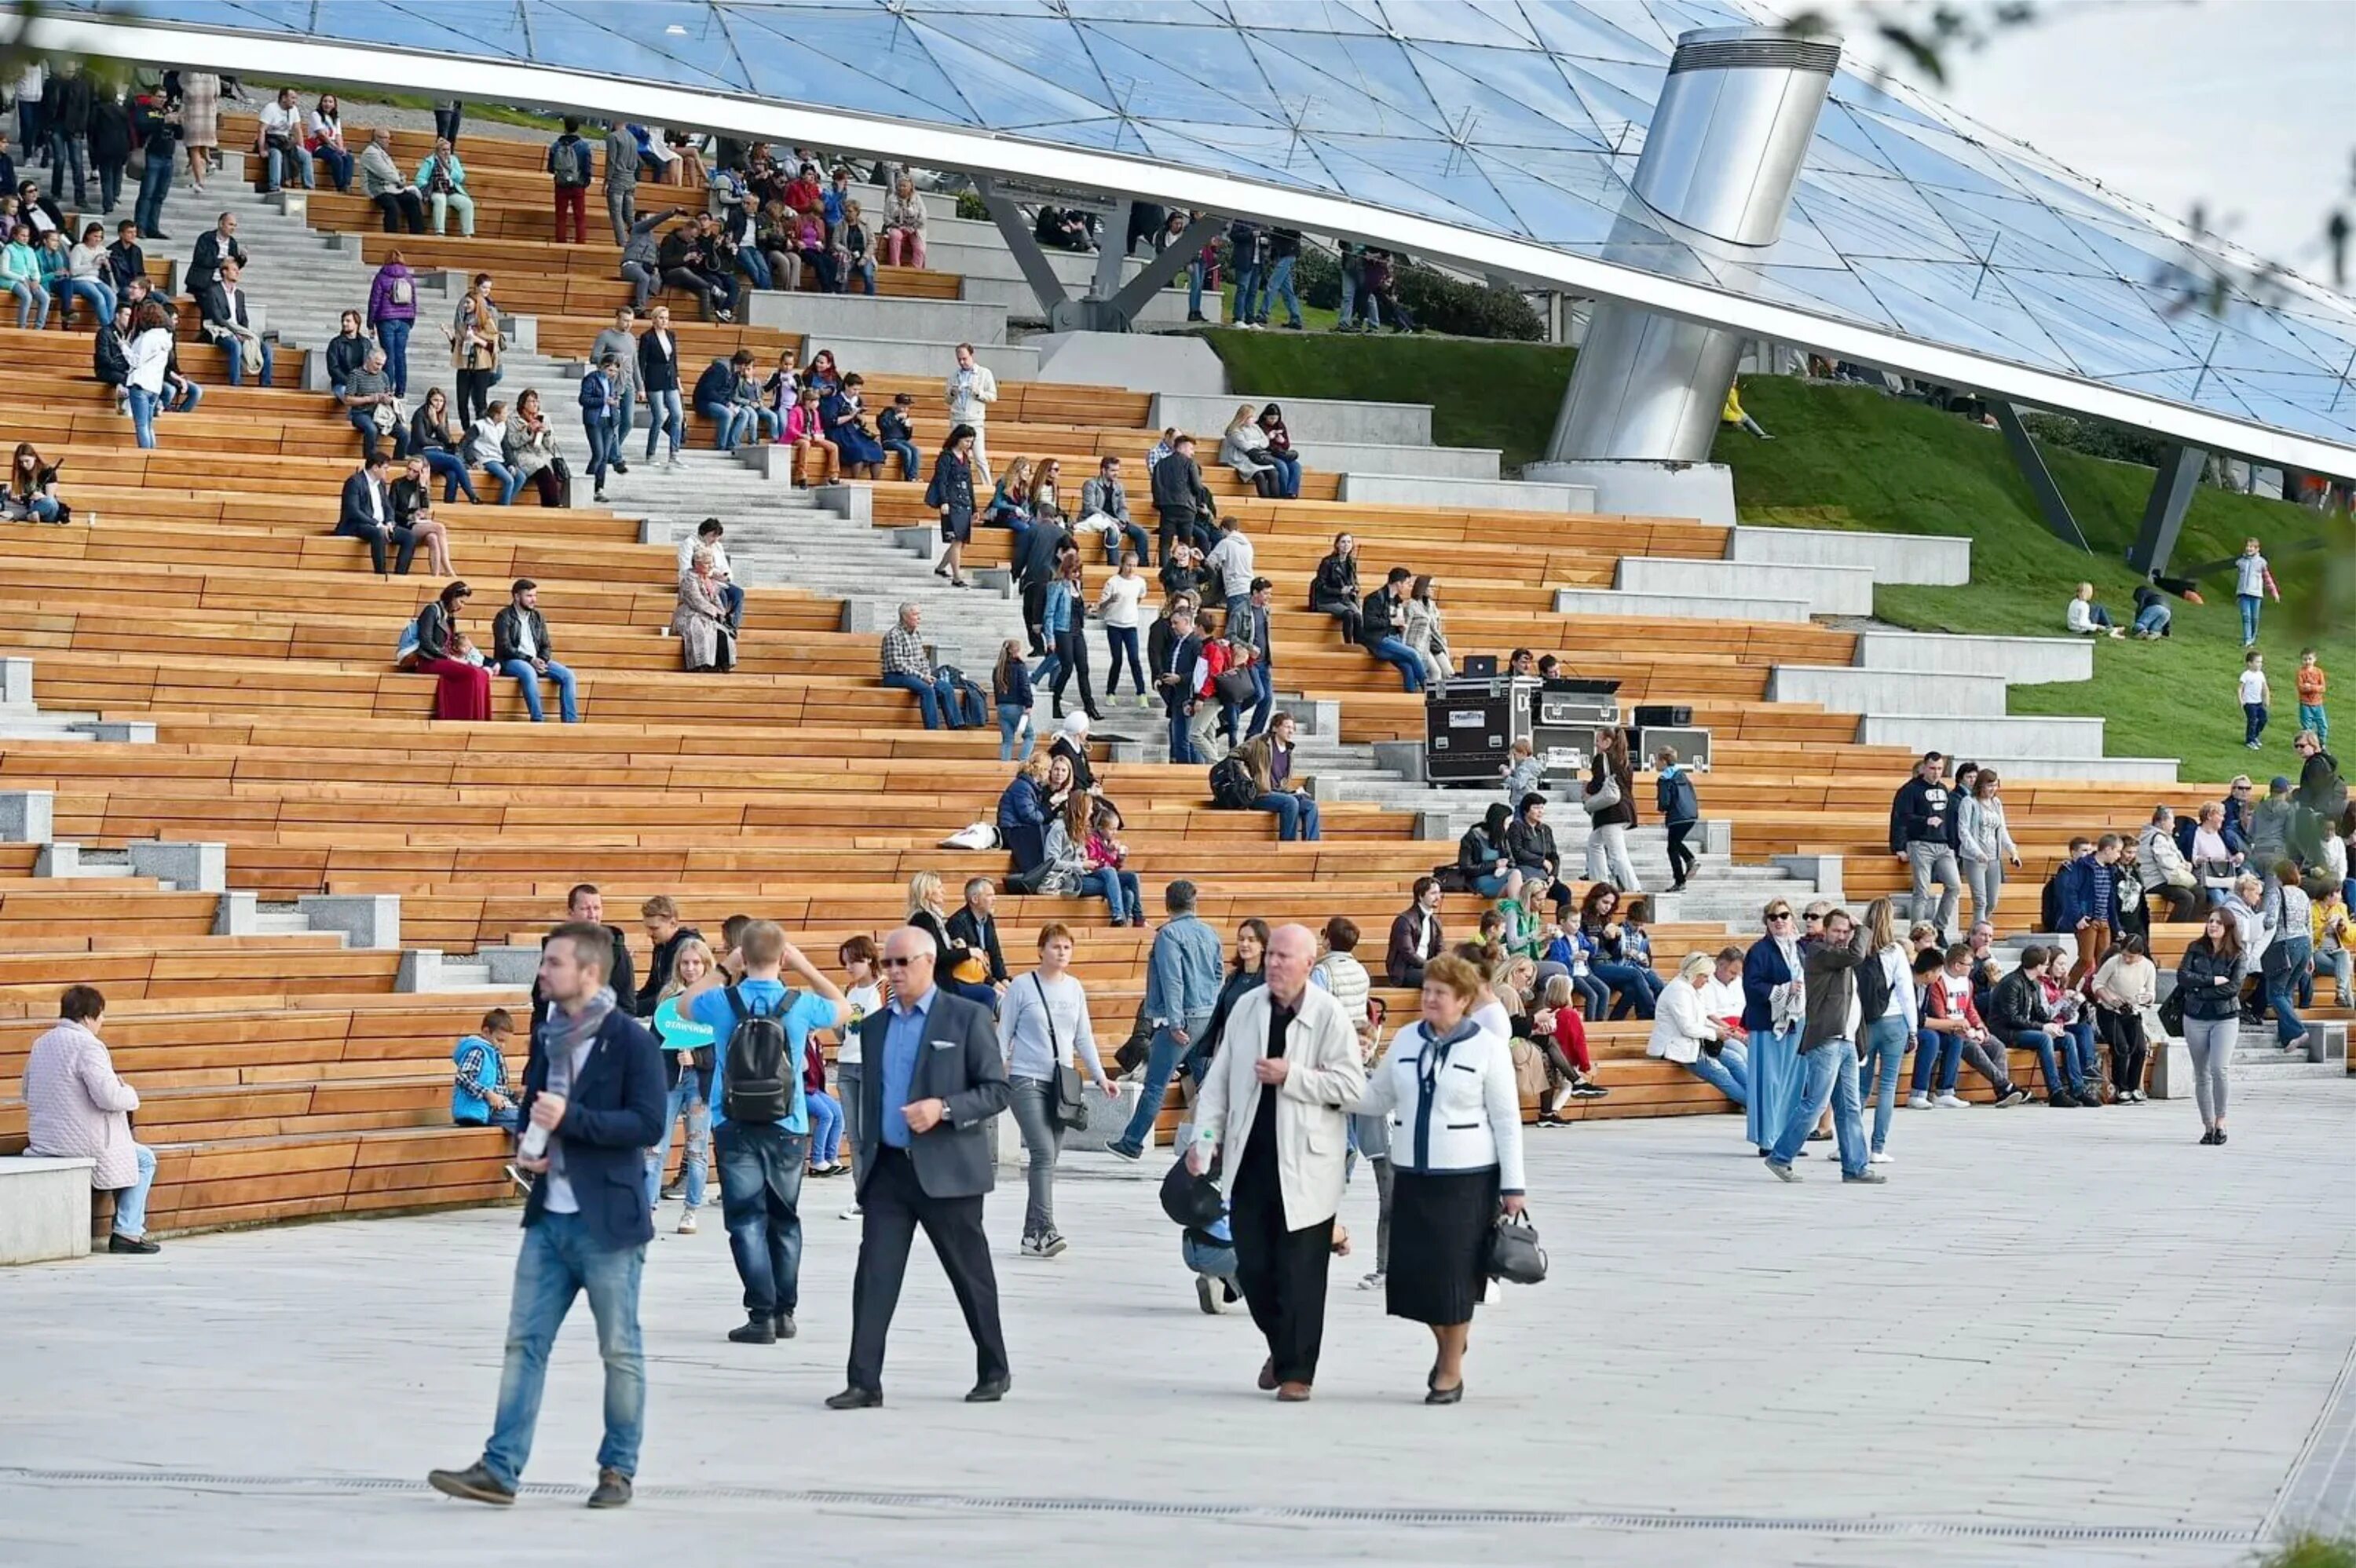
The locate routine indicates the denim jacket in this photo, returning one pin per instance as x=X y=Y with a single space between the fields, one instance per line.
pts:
x=1181 y=978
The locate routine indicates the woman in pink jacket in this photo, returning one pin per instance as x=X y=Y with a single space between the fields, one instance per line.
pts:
x=76 y=1108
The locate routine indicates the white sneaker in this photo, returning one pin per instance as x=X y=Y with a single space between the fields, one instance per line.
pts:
x=851 y=1213
x=687 y=1222
x=1373 y=1281
x=1880 y=1156
x=1919 y=1103
x=1951 y=1101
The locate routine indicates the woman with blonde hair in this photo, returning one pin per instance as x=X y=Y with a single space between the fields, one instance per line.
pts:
x=474 y=334
x=929 y=914
x=1686 y=1034
x=1423 y=632
x=1243 y=448
x=1010 y=498
x=1887 y=1015
x=689 y=1068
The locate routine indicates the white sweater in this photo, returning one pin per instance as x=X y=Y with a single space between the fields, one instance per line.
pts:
x=1475 y=1118
x=1681 y=1022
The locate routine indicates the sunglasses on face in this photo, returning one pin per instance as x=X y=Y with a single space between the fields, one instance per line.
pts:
x=897 y=962
x=1779 y=915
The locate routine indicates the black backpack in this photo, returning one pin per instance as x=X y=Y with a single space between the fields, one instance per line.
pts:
x=1231 y=784
x=757 y=1072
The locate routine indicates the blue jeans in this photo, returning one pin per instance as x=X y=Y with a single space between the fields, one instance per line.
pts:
x=1265 y=685
x=605 y=437
x=687 y=1097
x=1118 y=888
x=1728 y=1072
x=392 y=336
x=339 y=166
x=510 y=481
x=2061 y=1075
x=2311 y=716
x=1296 y=815
x=1280 y=287
x=1247 y=294
x=2154 y=618
x=1120 y=644
x=760 y=1167
x=826 y=1127
x=558 y=1261
x=455 y=475
x=131 y=1202
x=1011 y=716
x=2254 y=723
x=279 y=164
x=236 y=356
x=733 y=423
x=1828 y=1073
x=912 y=462
x=733 y=598
x=756 y=266
x=32 y=304
x=1405 y=659
x=938 y=699
x=1885 y=1050
x=1160 y=1063
x=2251 y=604
x=2082 y=1055
x=1941 y=1050
x=666 y=412
x=2284 y=966
x=1288 y=475
x=1193 y=285
x=95 y=291
x=155 y=184
x=1182 y=750
x=1633 y=987
x=529 y=679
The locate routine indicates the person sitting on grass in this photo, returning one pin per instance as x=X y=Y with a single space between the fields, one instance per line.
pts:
x=2086 y=617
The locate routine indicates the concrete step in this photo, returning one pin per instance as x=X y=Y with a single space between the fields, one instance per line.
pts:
x=879 y=318
x=2025 y=735
x=1384 y=489
x=1931 y=558
x=1849 y=688
x=1827 y=590
x=2137 y=770
x=1673 y=605
x=2023 y=661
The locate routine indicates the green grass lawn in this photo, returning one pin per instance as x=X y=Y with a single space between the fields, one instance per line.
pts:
x=1850 y=457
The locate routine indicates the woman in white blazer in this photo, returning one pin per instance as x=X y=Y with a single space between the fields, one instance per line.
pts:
x=1456 y=1160
x=1686 y=1032
x=1287 y=1070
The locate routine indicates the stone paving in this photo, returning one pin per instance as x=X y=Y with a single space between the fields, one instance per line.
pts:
x=2051 y=1339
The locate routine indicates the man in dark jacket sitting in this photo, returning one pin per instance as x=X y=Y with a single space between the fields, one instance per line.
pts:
x=2017 y=1017
x=1416 y=936
x=976 y=927
x=1378 y=628
x=522 y=650
x=367 y=513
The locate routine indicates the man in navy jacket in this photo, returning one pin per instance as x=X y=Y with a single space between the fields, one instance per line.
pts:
x=1924 y=833
x=595 y=1088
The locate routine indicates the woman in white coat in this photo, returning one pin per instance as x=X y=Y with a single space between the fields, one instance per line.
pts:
x=75 y=1106
x=1686 y=1034
x=1456 y=1160
x=1287 y=1071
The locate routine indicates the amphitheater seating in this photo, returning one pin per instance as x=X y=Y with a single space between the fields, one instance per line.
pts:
x=284 y=1076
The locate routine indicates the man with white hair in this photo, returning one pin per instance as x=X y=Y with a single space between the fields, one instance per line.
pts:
x=1287 y=1065
x=934 y=1078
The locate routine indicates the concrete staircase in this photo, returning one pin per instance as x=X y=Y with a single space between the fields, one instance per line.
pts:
x=23 y=719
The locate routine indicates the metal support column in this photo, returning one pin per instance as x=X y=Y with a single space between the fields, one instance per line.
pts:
x=2049 y=499
x=1110 y=256
x=1028 y=255
x=2163 y=514
x=1157 y=272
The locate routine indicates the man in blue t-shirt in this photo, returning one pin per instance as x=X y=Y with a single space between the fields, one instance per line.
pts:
x=761 y=1163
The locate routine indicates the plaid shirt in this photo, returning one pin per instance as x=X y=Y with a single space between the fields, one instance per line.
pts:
x=903 y=654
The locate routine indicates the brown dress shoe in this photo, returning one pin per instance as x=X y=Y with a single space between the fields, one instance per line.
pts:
x=1292 y=1393
x=1268 y=1375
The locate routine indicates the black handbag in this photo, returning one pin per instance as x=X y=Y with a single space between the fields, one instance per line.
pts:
x=1515 y=1254
x=1071 y=1106
x=1234 y=685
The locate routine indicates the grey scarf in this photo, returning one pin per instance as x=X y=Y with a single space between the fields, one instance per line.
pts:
x=565 y=1034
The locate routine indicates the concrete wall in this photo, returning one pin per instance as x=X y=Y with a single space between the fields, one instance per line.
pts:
x=1310 y=419
x=1681 y=606
x=2024 y=661
x=900 y=357
x=1828 y=590
x=1894 y=557
x=1422 y=490
x=882 y=316
x=2022 y=737
x=45 y=1208
x=1142 y=362
x=1847 y=688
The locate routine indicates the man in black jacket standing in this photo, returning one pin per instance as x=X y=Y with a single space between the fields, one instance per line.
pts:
x=110 y=145
x=1924 y=834
x=584 y=905
x=1181 y=498
x=67 y=106
x=668 y=934
x=1038 y=556
x=1828 y=1036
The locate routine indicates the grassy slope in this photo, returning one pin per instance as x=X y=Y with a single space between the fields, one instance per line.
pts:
x=1847 y=457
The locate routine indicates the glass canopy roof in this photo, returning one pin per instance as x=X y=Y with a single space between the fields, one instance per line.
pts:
x=1517 y=118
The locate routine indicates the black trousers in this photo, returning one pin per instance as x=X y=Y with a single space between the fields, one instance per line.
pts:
x=2122 y=1032
x=893 y=1203
x=474 y=395
x=1034 y=610
x=1071 y=658
x=1681 y=860
x=1281 y=1273
x=401 y=207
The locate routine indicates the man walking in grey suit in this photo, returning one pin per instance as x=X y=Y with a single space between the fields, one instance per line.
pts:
x=934 y=1078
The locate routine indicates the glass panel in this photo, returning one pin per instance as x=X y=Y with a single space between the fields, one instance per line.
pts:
x=1175 y=74
x=880 y=59
x=1496 y=95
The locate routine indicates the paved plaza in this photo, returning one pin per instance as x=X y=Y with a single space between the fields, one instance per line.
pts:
x=2051 y=1338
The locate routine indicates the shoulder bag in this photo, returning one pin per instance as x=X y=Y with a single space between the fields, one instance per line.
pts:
x=1602 y=796
x=1070 y=1109
x=1514 y=1255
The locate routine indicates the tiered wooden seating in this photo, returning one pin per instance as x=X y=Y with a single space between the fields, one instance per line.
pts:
x=284 y=1078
